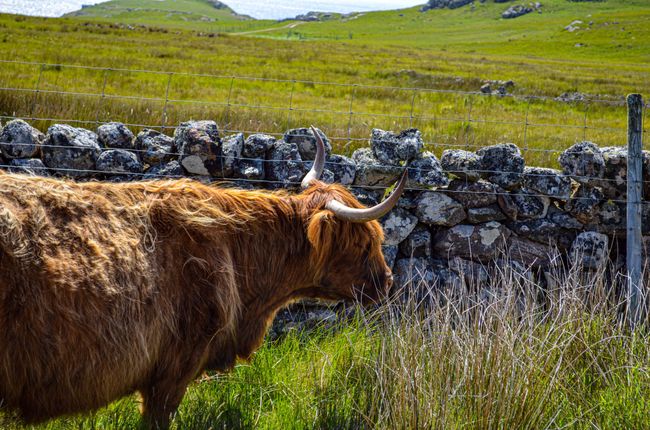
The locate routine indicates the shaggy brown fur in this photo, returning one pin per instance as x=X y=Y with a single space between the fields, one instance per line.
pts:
x=108 y=289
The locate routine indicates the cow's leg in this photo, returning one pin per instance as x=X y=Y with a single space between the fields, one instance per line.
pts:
x=160 y=402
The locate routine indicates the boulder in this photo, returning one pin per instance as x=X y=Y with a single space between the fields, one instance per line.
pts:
x=306 y=142
x=115 y=135
x=463 y=164
x=481 y=242
x=439 y=209
x=20 y=140
x=343 y=168
x=397 y=225
x=530 y=205
x=117 y=162
x=508 y=205
x=515 y=11
x=284 y=166
x=367 y=196
x=544 y=231
x=529 y=253
x=390 y=254
x=549 y=182
x=473 y=194
x=418 y=243
x=199 y=146
x=474 y=274
x=390 y=148
x=563 y=219
x=583 y=204
x=371 y=172
x=71 y=151
x=425 y=171
x=231 y=150
x=171 y=169
x=257 y=145
x=502 y=164
x=584 y=163
x=611 y=217
x=614 y=183
x=485 y=214
x=29 y=166
x=590 y=250
x=423 y=279
x=408 y=199
x=154 y=147
x=249 y=169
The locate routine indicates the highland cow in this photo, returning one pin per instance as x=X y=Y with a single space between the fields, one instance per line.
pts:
x=113 y=288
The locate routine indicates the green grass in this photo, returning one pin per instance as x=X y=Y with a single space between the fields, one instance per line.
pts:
x=438 y=50
x=510 y=361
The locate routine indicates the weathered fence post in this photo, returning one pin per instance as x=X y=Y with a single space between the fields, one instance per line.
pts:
x=635 y=296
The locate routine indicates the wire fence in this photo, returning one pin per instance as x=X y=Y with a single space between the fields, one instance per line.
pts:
x=542 y=127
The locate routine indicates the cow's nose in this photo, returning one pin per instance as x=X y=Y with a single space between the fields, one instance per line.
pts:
x=389 y=280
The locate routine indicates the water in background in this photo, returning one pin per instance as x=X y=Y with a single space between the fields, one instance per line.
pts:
x=261 y=9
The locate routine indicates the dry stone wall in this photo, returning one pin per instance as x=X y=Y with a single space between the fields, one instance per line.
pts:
x=461 y=214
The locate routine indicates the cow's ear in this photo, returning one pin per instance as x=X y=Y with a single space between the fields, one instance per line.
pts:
x=321 y=234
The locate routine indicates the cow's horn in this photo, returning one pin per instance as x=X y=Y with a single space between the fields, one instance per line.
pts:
x=362 y=215
x=319 y=161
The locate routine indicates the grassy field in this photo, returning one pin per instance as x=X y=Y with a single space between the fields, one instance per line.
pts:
x=375 y=62
x=502 y=357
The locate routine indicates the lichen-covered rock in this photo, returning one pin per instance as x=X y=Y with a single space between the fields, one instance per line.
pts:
x=115 y=135
x=530 y=205
x=544 y=231
x=418 y=243
x=481 y=242
x=502 y=164
x=528 y=253
x=344 y=169
x=463 y=164
x=611 y=217
x=367 y=196
x=584 y=163
x=614 y=183
x=306 y=142
x=231 y=148
x=118 y=162
x=256 y=145
x=408 y=199
x=371 y=172
x=583 y=204
x=199 y=146
x=473 y=194
x=397 y=225
x=390 y=254
x=425 y=171
x=171 y=169
x=439 y=209
x=20 y=140
x=549 y=182
x=474 y=274
x=390 y=148
x=563 y=219
x=284 y=166
x=29 y=166
x=485 y=214
x=71 y=151
x=590 y=250
x=154 y=147
x=423 y=279
x=249 y=169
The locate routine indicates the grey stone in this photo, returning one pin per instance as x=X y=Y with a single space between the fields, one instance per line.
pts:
x=502 y=164
x=439 y=209
x=29 y=166
x=508 y=206
x=199 y=146
x=473 y=194
x=408 y=199
x=474 y=274
x=482 y=242
x=418 y=243
x=154 y=147
x=549 y=182
x=530 y=205
x=306 y=142
x=390 y=148
x=397 y=225
x=485 y=214
x=590 y=250
x=611 y=217
x=231 y=148
x=614 y=183
x=20 y=140
x=390 y=254
x=423 y=279
x=515 y=11
x=529 y=253
x=584 y=163
x=544 y=231
x=563 y=219
x=367 y=196
x=583 y=204
x=115 y=135
x=343 y=168
x=284 y=166
x=249 y=169
x=463 y=164
x=256 y=145
x=371 y=172
x=118 y=162
x=425 y=171
x=171 y=169
x=71 y=151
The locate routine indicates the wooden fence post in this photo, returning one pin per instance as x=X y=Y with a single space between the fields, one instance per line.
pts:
x=635 y=293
